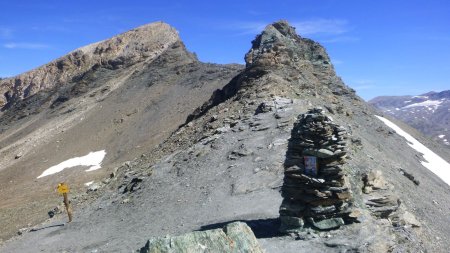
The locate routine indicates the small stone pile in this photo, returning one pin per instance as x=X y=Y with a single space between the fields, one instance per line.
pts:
x=315 y=188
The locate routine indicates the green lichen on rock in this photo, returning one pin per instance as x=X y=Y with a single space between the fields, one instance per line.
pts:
x=235 y=237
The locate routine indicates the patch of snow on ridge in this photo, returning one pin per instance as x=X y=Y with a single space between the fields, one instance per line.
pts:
x=433 y=162
x=441 y=136
x=93 y=159
x=89 y=183
x=434 y=103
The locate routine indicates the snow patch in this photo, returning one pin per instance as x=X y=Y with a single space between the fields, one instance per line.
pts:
x=89 y=183
x=93 y=159
x=428 y=104
x=441 y=136
x=433 y=162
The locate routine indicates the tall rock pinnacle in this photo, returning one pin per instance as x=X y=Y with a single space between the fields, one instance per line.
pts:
x=280 y=45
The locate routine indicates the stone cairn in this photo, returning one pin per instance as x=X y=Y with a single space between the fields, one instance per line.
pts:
x=315 y=189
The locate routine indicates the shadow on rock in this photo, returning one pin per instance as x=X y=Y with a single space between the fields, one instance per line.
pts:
x=262 y=228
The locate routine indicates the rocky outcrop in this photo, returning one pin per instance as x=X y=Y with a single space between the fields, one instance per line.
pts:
x=140 y=44
x=279 y=57
x=378 y=197
x=235 y=237
x=315 y=187
x=280 y=46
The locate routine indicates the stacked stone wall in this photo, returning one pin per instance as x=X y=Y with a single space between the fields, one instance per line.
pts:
x=315 y=190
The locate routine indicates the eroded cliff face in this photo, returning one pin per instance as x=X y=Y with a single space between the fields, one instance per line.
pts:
x=140 y=44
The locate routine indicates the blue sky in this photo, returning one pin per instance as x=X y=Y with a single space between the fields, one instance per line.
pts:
x=377 y=47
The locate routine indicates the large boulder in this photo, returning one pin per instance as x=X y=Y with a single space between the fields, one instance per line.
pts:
x=235 y=237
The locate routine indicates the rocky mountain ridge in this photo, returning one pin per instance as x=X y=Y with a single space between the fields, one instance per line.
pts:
x=229 y=158
x=123 y=109
x=140 y=44
x=429 y=113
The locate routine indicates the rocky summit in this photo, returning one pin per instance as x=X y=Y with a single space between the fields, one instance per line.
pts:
x=282 y=145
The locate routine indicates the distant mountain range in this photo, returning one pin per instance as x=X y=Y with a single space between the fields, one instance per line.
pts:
x=429 y=112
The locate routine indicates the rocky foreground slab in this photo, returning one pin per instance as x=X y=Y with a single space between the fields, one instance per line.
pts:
x=235 y=237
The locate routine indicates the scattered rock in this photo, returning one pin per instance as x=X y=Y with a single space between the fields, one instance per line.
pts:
x=133 y=185
x=261 y=128
x=258 y=159
x=356 y=215
x=265 y=107
x=374 y=180
x=382 y=206
x=243 y=128
x=242 y=152
x=282 y=102
x=405 y=219
x=22 y=231
x=127 y=164
x=409 y=176
x=279 y=142
x=56 y=210
x=213 y=118
x=93 y=187
x=356 y=141
x=327 y=224
x=222 y=130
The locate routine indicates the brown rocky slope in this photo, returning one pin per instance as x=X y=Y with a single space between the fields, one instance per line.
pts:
x=124 y=96
x=142 y=43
